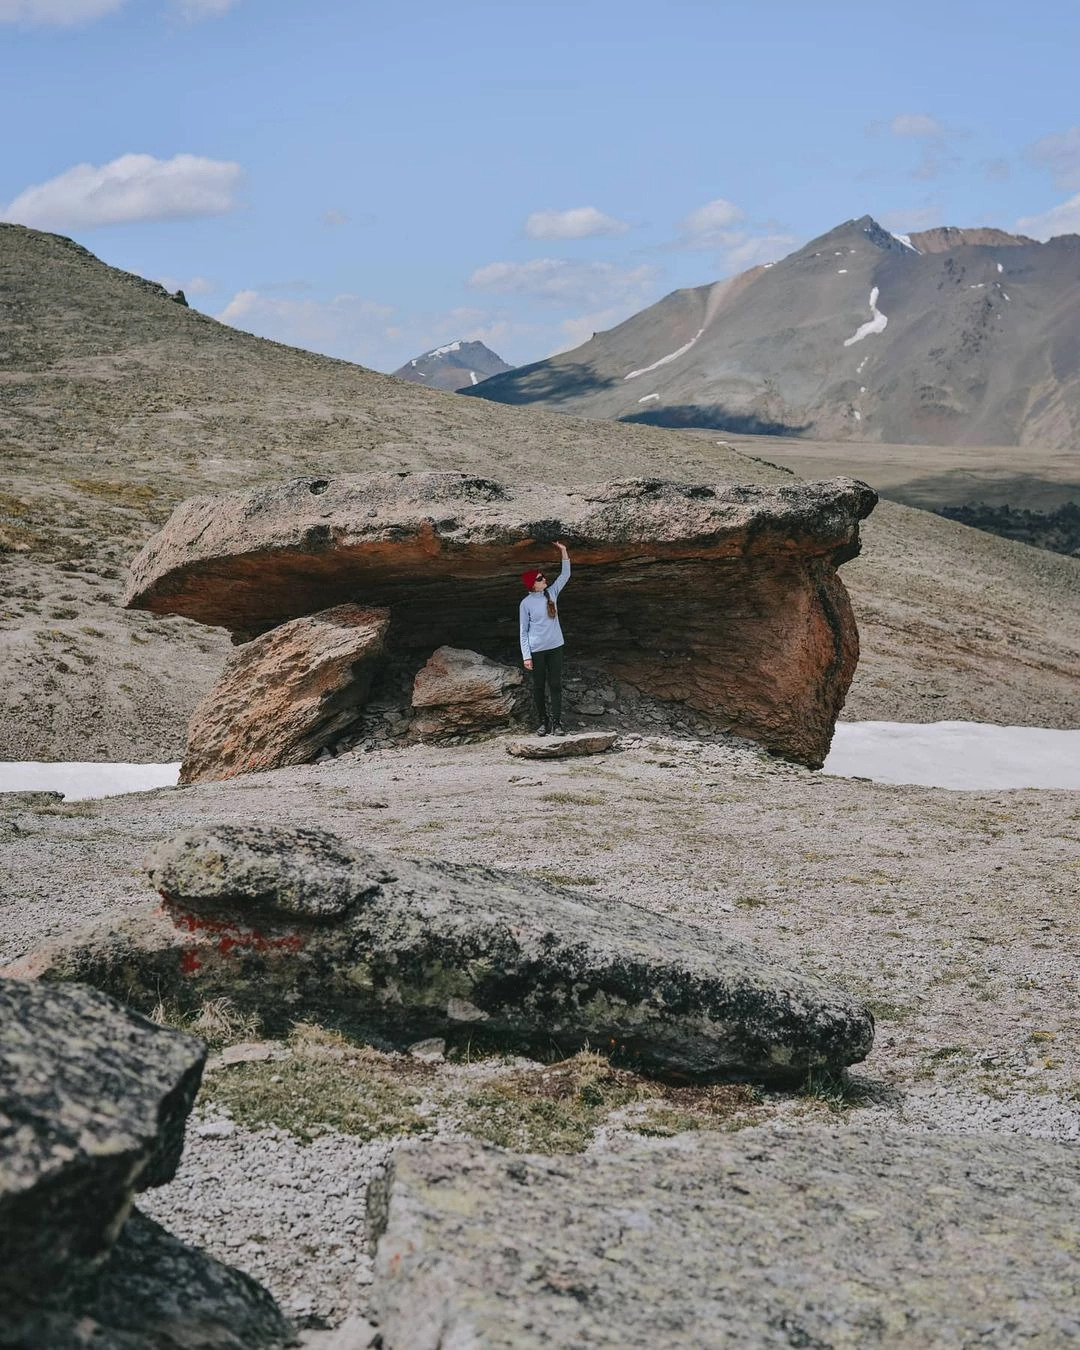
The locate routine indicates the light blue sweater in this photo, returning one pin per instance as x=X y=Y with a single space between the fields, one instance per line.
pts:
x=538 y=632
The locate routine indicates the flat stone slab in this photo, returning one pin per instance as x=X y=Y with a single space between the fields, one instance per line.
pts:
x=563 y=747
x=404 y=951
x=93 y=1102
x=823 y=1238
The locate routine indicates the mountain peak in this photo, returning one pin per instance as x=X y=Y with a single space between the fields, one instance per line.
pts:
x=453 y=366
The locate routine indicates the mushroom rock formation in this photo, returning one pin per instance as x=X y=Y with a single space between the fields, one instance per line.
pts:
x=724 y=597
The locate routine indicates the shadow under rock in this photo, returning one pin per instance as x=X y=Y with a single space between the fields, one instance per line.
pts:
x=154 y=1293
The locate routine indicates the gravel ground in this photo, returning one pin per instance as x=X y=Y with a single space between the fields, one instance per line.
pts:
x=953 y=914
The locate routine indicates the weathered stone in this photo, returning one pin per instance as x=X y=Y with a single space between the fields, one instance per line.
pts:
x=425 y=949
x=93 y=1100
x=460 y=693
x=563 y=747
x=152 y=1293
x=284 y=696
x=725 y=597
x=824 y=1238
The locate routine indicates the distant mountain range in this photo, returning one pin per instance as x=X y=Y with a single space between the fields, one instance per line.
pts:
x=948 y=337
x=458 y=365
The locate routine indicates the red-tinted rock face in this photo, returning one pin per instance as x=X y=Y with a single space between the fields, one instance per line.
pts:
x=285 y=695
x=725 y=597
x=460 y=692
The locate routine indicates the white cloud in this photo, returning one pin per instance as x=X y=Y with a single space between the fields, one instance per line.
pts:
x=560 y=281
x=348 y=326
x=1061 y=155
x=1061 y=219
x=710 y=225
x=131 y=188
x=194 y=10
x=755 y=249
x=56 y=12
x=915 y=218
x=196 y=286
x=915 y=124
x=580 y=222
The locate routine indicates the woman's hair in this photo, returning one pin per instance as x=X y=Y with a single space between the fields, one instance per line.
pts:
x=552 y=611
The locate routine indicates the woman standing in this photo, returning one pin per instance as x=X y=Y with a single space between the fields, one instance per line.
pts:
x=542 y=643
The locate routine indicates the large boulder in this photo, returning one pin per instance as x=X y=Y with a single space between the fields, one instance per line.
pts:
x=821 y=1239
x=93 y=1101
x=461 y=692
x=402 y=951
x=151 y=1293
x=284 y=696
x=723 y=596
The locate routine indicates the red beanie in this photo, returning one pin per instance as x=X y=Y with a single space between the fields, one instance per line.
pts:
x=528 y=579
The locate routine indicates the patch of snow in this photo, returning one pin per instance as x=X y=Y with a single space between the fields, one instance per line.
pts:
x=968 y=756
x=665 y=360
x=1000 y=268
x=841 y=271
x=977 y=286
x=906 y=241
x=858 y=368
x=78 y=781
x=472 y=376
x=1004 y=294
x=858 y=415
x=839 y=252
x=414 y=361
x=768 y=264
x=862 y=388
x=648 y=398
x=444 y=351
x=875 y=324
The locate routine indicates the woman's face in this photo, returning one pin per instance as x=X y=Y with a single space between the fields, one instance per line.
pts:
x=540 y=583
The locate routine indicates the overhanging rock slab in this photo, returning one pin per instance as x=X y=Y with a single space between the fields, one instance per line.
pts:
x=822 y=1238
x=722 y=596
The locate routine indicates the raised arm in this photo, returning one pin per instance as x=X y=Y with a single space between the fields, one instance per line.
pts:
x=564 y=572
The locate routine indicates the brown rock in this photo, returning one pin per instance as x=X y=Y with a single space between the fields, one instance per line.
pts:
x=459 y=692
x=285 y=695
x=725 y=597
x=562 y=747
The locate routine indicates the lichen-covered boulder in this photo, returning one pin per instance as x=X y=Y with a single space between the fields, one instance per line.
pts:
x=285 y=695
x=460 y=693
x=563 y=747
x=409 y=950
x=722 y=596
x=93 y=1101
x=838 y=1238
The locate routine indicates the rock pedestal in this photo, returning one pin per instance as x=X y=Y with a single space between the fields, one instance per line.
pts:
x=724 y=597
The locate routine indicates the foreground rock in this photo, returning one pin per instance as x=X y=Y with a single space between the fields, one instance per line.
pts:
x=824 y=1238
x=93 y=1100
x=152 y=1293
x=563 y=747
x=460 y=693
x=723 y=597
x=410 y=950
x=287 y=694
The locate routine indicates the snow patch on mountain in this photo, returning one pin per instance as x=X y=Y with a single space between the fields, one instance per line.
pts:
x=875 y=324
x=666 y=360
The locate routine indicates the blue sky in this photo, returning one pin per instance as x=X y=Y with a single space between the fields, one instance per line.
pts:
x=371 y=181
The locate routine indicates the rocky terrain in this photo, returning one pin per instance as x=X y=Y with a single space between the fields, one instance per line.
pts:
x=955 y=337
x=951 y=917
x=457 y=365
x=116 y=403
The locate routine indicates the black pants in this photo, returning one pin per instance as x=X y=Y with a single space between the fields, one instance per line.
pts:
x=547 y=676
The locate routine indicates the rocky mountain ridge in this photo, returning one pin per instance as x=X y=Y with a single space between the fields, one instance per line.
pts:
x=947 y=337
